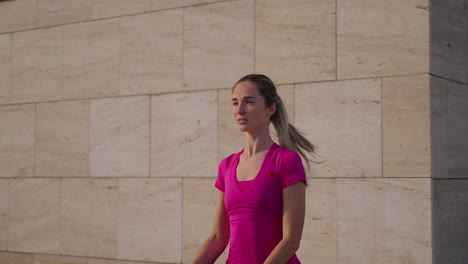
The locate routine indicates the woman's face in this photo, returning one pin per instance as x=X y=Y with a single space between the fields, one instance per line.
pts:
x=249 y=109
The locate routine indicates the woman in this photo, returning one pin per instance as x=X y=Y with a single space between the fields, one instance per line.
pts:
x=261 y=202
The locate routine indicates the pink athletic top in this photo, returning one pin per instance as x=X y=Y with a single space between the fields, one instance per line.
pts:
x=255 y=207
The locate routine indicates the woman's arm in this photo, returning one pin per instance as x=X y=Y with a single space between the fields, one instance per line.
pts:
x=293 y=224
x=218 y=239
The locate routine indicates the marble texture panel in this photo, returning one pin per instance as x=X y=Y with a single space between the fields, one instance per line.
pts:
x=119 y=137
x=5 y=61
x=89 y=217
x=33 y=215
x=295 y=40
x=151 y=52
x=54 y=259
x=36 y=65
x=91 y=59
x=150 y=220
x=382 y=38
x=382 y=221
x=17 y=140
x=59 y=12
x=406 y=126
x=183 y=134
x=343 y=120
x=17 y=15
x=16 y=258
x=62 y=139
x=199 y=206
x=457 y=129
x=449 y=39
x=218 y=44
x=449 y=221
x=3 y=215
x=319 y=241
x=438 y=127
x=111 y=8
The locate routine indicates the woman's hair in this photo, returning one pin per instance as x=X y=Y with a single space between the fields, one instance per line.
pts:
x=289 y=137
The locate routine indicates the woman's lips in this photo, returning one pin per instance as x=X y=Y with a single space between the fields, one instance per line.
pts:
x=241 y=121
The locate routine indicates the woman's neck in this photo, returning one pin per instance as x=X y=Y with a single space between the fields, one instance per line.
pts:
x=257 y=142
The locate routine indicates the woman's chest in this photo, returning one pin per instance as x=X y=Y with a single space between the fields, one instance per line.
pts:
x=264 y=193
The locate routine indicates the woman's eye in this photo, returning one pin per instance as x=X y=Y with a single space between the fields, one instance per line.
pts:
x=234 y=103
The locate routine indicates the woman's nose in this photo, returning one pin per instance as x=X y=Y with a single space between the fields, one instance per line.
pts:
x=241 y=108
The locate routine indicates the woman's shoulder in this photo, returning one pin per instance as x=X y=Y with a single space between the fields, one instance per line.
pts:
x=227 y=161
x=284 y=153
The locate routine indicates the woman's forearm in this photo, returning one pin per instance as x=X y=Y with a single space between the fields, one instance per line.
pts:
x=210 y=250
x=283 y=251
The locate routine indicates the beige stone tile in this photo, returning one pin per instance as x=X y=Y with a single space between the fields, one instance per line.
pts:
x=111 y=8
x=36 y=65
x=17 y=140
x=5 y=61
x=295 y=40
x=166 y=4
x=91 y=59
x=343 y=120
x=449 y=40
x=3 y=214
x=183 y=134
x=17 y=15
x=384 y=221
x=218 y=44
x=59 y=12
x=62 y=138
x=149 y=230
x=318 y=241
x=54 y=259
x=119 y=136
x=382 y=38
x=89 y=217
x=33 y=215
x=450 y=235
x=199 y=206
x=406 y=126
x=438 y=127
x=16 y=258
x=457 y=129
x=151 y=53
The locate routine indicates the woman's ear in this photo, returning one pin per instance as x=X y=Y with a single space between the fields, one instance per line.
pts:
x=272 y=109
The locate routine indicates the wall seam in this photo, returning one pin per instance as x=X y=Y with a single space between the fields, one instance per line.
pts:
x=336 y=39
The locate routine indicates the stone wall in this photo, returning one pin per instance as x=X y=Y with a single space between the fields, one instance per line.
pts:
x=115 y=114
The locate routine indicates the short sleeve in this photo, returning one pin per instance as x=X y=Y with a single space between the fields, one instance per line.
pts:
x=291 y=170
x=219 y=183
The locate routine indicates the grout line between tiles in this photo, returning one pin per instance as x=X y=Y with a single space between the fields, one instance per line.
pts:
x=61 y=60
x=10 y=81
x=150 y=135
x=336 y=39
x=255 y=37
x=381 y=131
